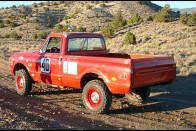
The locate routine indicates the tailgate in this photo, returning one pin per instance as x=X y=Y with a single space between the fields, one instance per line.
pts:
x=152 y=69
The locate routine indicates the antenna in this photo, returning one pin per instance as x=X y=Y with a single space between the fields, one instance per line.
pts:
x=27 y=31
x=70 y=27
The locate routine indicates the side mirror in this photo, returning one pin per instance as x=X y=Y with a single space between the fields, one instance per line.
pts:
x=40 y=51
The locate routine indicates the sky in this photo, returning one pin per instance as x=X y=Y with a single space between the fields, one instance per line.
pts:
x=173 y=4
x=17 y=3
x=177 y=4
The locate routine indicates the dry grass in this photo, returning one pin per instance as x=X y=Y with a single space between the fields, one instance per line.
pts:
x=171 y=39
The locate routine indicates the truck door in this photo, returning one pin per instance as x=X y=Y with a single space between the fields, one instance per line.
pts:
x=47 y=63
x=70 y=63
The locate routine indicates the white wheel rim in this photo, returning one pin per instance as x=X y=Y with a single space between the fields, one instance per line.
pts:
x=95 y=97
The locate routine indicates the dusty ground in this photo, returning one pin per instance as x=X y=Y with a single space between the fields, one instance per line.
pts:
x=169 y=107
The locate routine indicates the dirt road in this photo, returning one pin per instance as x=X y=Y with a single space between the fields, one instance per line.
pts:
x=169 y=107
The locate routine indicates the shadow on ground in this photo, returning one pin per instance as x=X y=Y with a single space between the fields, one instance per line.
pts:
x=181 y=94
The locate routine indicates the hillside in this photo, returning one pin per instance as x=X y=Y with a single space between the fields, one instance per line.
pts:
x=171 y=38
x=188 y=10
x=87 y=14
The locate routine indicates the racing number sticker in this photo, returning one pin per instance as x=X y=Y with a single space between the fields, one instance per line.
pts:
x=45 y=65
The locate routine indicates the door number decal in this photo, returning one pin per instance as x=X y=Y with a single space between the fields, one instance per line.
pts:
x=45 y=65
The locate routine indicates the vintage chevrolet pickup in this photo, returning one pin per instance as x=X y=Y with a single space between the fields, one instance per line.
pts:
x=81 y=61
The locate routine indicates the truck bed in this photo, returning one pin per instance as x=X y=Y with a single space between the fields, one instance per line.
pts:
x=152 y=69
x=149 y=69
x=146 y=69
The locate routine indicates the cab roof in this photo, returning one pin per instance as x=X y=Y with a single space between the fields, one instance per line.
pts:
x=80 y=34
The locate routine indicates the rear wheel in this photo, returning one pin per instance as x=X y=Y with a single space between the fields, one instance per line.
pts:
x=23 y=82
x=139 y=94
x=96 y=97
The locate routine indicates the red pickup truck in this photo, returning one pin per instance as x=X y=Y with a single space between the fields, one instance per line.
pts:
x=81 y=60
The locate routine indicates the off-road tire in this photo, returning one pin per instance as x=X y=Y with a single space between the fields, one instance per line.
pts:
x=96 y=89
x=144 y=93
x=23 y=82
x=139 y=95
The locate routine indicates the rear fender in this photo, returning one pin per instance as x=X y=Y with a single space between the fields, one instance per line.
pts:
x=98 y=73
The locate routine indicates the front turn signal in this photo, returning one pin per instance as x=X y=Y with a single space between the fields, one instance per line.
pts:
x=11 y=63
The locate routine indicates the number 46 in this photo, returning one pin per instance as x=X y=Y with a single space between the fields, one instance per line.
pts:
x=45 y=65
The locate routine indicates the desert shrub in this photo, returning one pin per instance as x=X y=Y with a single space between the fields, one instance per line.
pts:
x=30 y=15
x=164 y=15
x=58 y=28
x=135 y=18
x=188 y=19
x=192 y=19
x=7 y=22
x=35 y=11
x=66 y=17
x=102 y=5
x=81 y=29
x=59 y=20
x=2 y=25
x=27 y=21
x=34 y=5
x=149 y=18
x=7 y=36
x=36 y=20
x=23 y=16
x=96 y=2
x=55 y=3
x=35 y=36
x=43 y=34
x=96 y=15
x=129 y=38
x=118 y=20
x=66 y=4
x=107 y=30
x=49 y=21
x=48 y=3
x=93 y=29
x=77 y=10
x=89 y=6
x=72 y=16
x=41 y=3
x=139 y=2
x=15 y=35
x=46 y=9
x=14 y=6
x=184 y=18
x=13 y=24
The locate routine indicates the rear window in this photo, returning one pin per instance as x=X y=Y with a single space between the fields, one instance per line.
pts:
x=83 y=44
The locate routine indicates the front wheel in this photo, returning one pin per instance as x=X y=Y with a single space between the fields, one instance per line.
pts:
x=96 y=97
x=23 y=82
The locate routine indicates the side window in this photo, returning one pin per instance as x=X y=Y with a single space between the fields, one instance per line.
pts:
x=54 y=45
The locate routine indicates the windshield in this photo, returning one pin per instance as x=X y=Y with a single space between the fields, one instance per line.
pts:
x=80 y=44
